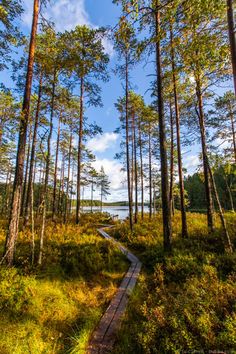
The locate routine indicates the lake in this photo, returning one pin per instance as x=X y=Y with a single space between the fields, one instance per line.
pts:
x=121 y=211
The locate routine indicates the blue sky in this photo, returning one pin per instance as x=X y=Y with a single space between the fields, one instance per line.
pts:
x=66 y=14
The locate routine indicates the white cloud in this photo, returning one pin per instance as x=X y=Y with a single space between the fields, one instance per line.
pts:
x=114 y=171
x=103 y=142
x=191 y=162
x=66 y=14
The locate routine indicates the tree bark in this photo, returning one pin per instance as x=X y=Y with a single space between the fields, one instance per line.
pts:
x=166 y=214
x=68 y=179
x=150 y=169
x=208 y=192
x=26 y=173
x=135 y=168
x=230 y=194
x=19 y=172
x=80 y=144
x=177 y=122
x=222 y=218
x=28 y=203
x=233 y=132
x=55 y=169
x=232 y=39
x=127 y=141
x=141 y=170
x=47 y=171
x=171 y=159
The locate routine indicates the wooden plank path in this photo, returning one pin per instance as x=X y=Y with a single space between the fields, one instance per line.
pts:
x=104 y=336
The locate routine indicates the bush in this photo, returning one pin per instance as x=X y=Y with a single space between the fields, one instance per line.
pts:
x=15 y=291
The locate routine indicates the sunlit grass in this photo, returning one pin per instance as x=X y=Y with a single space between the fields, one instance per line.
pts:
x=54 y=308
x=185 y=301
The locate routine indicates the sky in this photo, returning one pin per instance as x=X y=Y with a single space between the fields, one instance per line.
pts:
x=66 y=14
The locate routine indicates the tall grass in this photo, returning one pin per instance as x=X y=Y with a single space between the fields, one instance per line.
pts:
x=54 y=308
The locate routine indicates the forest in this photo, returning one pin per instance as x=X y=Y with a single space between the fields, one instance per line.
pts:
x=117 y=176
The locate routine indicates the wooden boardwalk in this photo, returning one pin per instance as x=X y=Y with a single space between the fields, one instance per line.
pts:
x=103 y=338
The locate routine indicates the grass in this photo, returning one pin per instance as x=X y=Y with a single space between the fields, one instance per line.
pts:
x=54 y=308
x=185 y=302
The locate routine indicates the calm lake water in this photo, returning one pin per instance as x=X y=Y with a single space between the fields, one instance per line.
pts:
x=121 y=211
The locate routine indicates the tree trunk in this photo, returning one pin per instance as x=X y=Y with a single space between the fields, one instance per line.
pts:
x=68 y=179
x=26 y=173
x=222 y=218
x=141 y=170
x=127 y=141
x=204 y=156
x=19 y=172
x=32 y=224
x=62 y=185
x=166 y=214
x=92 y=195
x=150 y=169
x=28 y=203
x=80 y=145
x=232 y=40
x=233 y=132
x=230 y=194
x=177 y=122
x=171 y=159
x=47 y=171
x=135 y=168
x=55 y=169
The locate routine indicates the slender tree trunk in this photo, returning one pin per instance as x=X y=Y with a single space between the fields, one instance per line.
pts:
x=62 y=186
x=132 y=171
x=80 y=144
x=233 y=132
x=8 y=196
x=92 y=195
x=230 y=194
x=68 y=179
x=55 y=169
x=204 y=155
x=167 y=227
x=26 y=174
x=171 y=158
x=47 y=171
x=72 y=186
x=19 y=172
x=150 y=169
x=127 y=140
x=28 y=203
x=135 y=168
x=32 y=225
x=177 y=121
x=4 y=202
x=232 y=40
x=141 y=170
x=222 y=218
x=1 y=130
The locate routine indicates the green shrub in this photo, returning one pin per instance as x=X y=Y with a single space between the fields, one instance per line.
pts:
x=15 y=291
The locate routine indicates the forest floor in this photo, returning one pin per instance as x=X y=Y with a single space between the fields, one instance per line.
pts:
x=54 y=308
x=184 y=301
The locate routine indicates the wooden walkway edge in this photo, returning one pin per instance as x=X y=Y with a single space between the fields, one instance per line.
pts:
x=104 y=336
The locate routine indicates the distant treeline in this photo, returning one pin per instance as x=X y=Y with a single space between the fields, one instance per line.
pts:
x=226 y=186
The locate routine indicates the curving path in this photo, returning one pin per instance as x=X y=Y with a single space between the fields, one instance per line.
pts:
x=104 y=336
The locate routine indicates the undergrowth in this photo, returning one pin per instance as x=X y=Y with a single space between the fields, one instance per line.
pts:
x=185 y=301
x=55 y=307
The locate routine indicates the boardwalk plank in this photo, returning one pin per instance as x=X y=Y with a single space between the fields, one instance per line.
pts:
x=104 y=336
